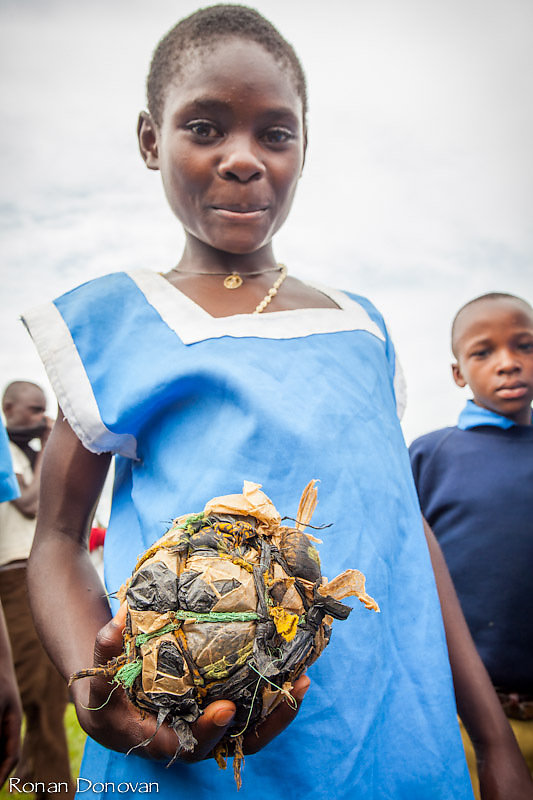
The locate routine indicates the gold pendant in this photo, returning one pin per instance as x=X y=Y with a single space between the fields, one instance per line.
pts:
x=233 y=281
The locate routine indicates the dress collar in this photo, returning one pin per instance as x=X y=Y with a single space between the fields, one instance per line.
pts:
x=193 y=324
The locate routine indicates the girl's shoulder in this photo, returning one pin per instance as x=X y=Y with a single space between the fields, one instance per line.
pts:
x=395 y=368
x=114 y=284
x=89 y=310
x=371 y=310
x=81 y=338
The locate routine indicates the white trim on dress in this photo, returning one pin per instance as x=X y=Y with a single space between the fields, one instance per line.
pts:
x=193 y=324
x=71 y=384
x=400 y=388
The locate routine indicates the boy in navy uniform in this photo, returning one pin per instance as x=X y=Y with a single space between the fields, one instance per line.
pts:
x=475 y=484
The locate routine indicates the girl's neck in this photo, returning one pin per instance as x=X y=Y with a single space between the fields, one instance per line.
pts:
x=201 y=258
x=194 y=276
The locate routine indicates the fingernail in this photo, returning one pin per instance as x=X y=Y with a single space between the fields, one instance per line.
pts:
x=223 y=717
x=120 y=617
x=300 y=693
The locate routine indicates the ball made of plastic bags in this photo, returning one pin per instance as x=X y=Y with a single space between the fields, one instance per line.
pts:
x=229 y=604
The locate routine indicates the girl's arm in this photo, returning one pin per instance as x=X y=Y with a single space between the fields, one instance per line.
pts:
x=503 y=773
x=73 y=618
x=63 y=583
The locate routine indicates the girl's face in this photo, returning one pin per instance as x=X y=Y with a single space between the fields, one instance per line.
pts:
x=230 y=147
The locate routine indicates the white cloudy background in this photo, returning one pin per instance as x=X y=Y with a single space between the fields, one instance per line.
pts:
x=418 y=188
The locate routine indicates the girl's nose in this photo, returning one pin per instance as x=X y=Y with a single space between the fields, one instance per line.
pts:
x=240 y=161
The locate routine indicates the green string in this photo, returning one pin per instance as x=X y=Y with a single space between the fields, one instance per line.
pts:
x=235 y=735
x=99 y=708
x=127 y=674
x=190 y=520
x=288 y=697
x=213 y=616
x=218 y=616
x=142 y=638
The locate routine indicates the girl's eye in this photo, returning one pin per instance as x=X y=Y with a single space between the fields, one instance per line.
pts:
x=278 y=135
x=204 y=130
x=526 y=347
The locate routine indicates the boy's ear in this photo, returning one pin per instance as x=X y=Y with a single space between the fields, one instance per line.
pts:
x=458 y=375
x=147 y=137
x=305 y=151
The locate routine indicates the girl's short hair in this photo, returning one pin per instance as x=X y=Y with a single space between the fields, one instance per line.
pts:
x=205 y=26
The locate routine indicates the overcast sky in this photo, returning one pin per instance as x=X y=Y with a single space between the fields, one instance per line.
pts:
x=418 y=186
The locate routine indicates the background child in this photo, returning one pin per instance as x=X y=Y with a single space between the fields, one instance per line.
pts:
x=474 y=483
x=225 y=369
x=10 y=706
x=43 y=691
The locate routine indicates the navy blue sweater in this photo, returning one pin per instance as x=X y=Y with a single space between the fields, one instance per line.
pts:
x=476 y=491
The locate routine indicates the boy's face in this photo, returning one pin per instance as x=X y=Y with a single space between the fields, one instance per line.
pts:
x=493 y=344
x=230 y=147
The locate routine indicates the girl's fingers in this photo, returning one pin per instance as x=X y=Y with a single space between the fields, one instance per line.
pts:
x=209 y=728
x=276 y=722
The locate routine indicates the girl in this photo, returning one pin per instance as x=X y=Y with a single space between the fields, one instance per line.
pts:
x=227 y=368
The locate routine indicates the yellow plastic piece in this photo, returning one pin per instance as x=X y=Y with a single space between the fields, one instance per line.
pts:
x=286 y=623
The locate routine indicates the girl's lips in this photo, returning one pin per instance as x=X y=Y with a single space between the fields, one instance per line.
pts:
x=240 y=215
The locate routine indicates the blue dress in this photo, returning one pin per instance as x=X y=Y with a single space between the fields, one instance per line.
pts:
x=192 y=405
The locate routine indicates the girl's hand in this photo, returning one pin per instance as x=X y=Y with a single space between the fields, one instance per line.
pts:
x=120 y=726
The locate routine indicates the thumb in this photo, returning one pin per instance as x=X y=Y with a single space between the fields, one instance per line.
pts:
x=109 y=640
x=108 y=645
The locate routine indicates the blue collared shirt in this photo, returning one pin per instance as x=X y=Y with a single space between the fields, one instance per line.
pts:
x=473 y=415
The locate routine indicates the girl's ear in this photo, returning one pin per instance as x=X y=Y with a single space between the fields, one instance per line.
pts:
x=147 y=136
x=458 y=375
